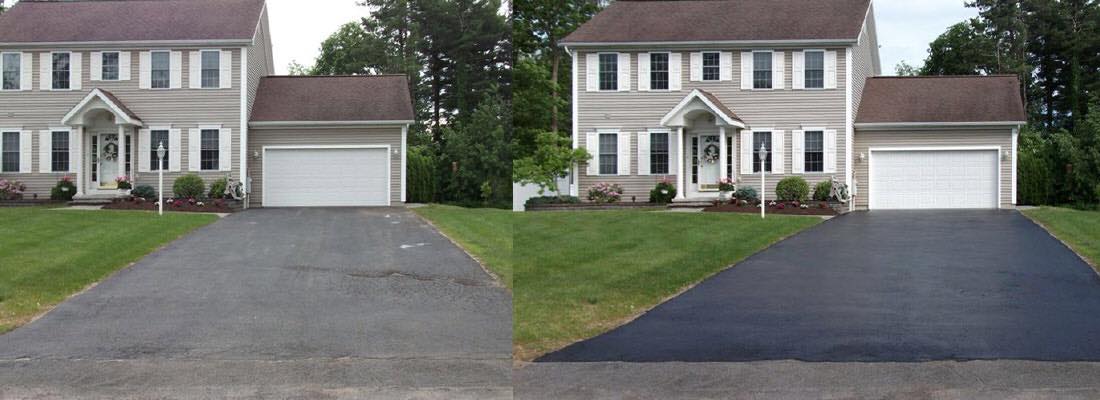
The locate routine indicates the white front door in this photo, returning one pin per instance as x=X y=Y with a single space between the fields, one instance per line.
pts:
x=706 y=149
x=934 y=179
x=107 y=160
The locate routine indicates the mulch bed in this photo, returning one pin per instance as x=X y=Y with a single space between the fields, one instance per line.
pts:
x=590 y=206
x=814 y=209
x=210 y=206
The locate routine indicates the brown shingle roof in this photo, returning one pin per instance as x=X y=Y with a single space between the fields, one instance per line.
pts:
x=333 y=98
x=721 y=107
x=31 y=21
x=724 y=20
x=120 y=105
x=941 y=99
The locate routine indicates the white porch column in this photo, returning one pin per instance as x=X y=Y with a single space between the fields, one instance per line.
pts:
x=722 y=153
x=681 y=189
x=81 y=155
x=122 y=150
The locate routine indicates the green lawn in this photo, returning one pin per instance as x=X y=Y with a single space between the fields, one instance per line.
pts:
x=47 y=255
x=579 y=274
x=485 y=232
x=1081 y=229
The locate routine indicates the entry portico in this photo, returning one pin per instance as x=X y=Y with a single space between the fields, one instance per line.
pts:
x=102 y=131
x=707 y=127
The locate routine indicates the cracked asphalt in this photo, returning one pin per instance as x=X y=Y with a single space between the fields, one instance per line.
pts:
x=278 y=303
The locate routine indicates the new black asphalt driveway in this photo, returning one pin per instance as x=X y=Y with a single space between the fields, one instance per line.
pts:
x=278 y=303
x=880 y=286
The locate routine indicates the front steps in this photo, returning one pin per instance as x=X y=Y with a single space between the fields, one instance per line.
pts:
x=696 y=202
x=94 y=199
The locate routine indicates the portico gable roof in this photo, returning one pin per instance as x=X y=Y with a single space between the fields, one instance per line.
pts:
x=701 y=100
x=122 y=113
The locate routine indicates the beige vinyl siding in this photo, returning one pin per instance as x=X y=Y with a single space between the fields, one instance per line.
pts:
x=259 y=60
x=866 y=139
x=782 y=109
x=180 y=108
x=379 y=135
x=864 y=62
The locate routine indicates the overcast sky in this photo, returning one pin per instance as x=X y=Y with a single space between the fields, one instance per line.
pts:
x=298 y=28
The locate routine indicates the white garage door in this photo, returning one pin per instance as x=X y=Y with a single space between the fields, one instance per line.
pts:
x=936 y=179
x=326 y=177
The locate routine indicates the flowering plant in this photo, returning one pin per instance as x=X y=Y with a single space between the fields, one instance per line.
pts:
x=727 y=185
x=124 y=182
x=605 y=193
x=11 y=190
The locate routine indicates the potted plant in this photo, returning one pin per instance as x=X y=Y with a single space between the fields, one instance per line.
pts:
x=124 y=184
x=726 y=186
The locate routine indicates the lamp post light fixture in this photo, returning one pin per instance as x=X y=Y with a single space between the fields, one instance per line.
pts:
x=763 y=156
x=160 y=177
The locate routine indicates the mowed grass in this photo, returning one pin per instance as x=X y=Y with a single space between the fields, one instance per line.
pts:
x=484 y=232
x=47 y=255
x=579 y=274
x=1080 y=229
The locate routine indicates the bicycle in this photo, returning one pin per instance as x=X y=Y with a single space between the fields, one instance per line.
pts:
x=840 y=191
x=234 y=189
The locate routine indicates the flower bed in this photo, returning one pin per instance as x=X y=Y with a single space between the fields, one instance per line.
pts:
x=590 y=206
x=175 y=205
x=793 y=208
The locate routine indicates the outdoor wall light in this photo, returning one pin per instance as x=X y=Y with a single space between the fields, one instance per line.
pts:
x=255 y=155
x=862 y=157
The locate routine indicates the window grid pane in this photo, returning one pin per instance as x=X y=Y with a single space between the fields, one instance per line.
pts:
x=155 y=139
x=10 y=152
x=60 y=151
x=658 y=153
x=759 y=138
x=695 y=159
x=815 y=151
x=729 y=157
x=209 y=149
x=762 y=70
x=711 y=66
x=110 y=66
x=211 y=73
x=658 y=71
x=161 y=74
x=609 y=72
x=815 y=70
x=12 y=64
x=609 y=154
x=61 y=71
x=128 y=158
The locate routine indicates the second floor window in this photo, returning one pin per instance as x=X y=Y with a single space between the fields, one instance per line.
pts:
x=762 y=70
x=712 y=66
x=9 y=152
x=209 y=150
x=609 y=72
x=765 y=139
x=162 y=70
x=12 y=64
x=156 y=138
x=211 y=70
x=61 y=70
x=658 y=71
x=609 y=154
x=815 y=69
x=60 y=151
x=815 y=151
x=658 y=153
x=110 y=66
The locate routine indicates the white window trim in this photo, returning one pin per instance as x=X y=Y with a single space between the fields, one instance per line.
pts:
x=607 y=131
x=167 y=147
x=823 y=69
x=770 y=130
x=703 y=66
x=218 y=52
x=650 y=77
x=671 y=159
x=871 y=165
x=806 y=129
x=19 y=150
x=618 y=85
x=69 y=131
x=52 y=89
x=389 y=161
x=20 y=77
x=118 y=53
x=151 y=53
x=753 y=63
x=211 y=127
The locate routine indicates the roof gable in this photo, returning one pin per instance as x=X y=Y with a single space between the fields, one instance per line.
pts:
x=358 y=98
x=724 y=20
x=942 y=100
x=82 y=21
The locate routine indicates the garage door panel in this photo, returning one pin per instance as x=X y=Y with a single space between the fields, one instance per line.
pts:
x=934 y=179
x=326 y=177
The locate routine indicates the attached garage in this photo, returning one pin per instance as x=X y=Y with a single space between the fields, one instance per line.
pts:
x=937 y=143
x=329 y=141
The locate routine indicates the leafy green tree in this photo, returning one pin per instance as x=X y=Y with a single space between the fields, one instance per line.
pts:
x=904 y=69
x=962 y=50
x=476 y=157
x=553 y=157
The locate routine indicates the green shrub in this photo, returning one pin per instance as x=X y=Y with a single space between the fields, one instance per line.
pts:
x=189 y=186
x=823 y=190
x=217 y=188
x=553 y=200
x=792 y=188
x=663 y=193
x=421 y=175
x=605 y=193
x=746 y=193
x=144 y=191
x=64 y=190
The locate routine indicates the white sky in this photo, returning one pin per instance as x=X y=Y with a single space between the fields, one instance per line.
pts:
x=906 y=27
x=298 y=28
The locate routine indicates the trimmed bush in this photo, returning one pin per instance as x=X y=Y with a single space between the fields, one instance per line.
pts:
x=534 y=201
x=64 y=190
x=144 y=191
x=217 y=188
x=421 y=185
x=663 y=193
x=823 y=190
x=746 y=193
x=792 y=188
x=605 y=193
x=11 y=190
x=189 y=186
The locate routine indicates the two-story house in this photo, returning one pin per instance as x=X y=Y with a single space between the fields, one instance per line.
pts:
x=91 y=89
x=691 y=91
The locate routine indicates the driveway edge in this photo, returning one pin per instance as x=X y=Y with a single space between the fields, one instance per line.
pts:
x=1095 y=267
x=497 y=282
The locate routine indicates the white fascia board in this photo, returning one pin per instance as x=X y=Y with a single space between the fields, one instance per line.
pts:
x=325 y=124
x=717 y=43
x=933 y=125
x=137 y=44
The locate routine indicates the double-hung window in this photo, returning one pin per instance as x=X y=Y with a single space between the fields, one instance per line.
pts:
x=156 y=138
x=609 y=71
x=762 y=70
x=712 y=66
x=12 y=69
x=758 y=139
x=658 y=153
x=209 y=150
x=61 y=69
x=815 y=151
x=609 y=154
x=110 y=66
x=815 y=69
x=658 y=71
x=59 y=151
x=161 y=73
x=211 y=69
x=9 y=152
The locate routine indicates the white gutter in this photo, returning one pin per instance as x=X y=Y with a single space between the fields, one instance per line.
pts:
x=133 y=43
x=705 y=43
x=322 y=124
x=244 y=128
x=927 y=125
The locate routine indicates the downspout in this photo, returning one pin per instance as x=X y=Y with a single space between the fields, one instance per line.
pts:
x=244 y=129
x=574 y=186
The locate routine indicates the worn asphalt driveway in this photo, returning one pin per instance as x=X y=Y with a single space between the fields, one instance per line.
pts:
x=278 y=303
x=880 y=286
